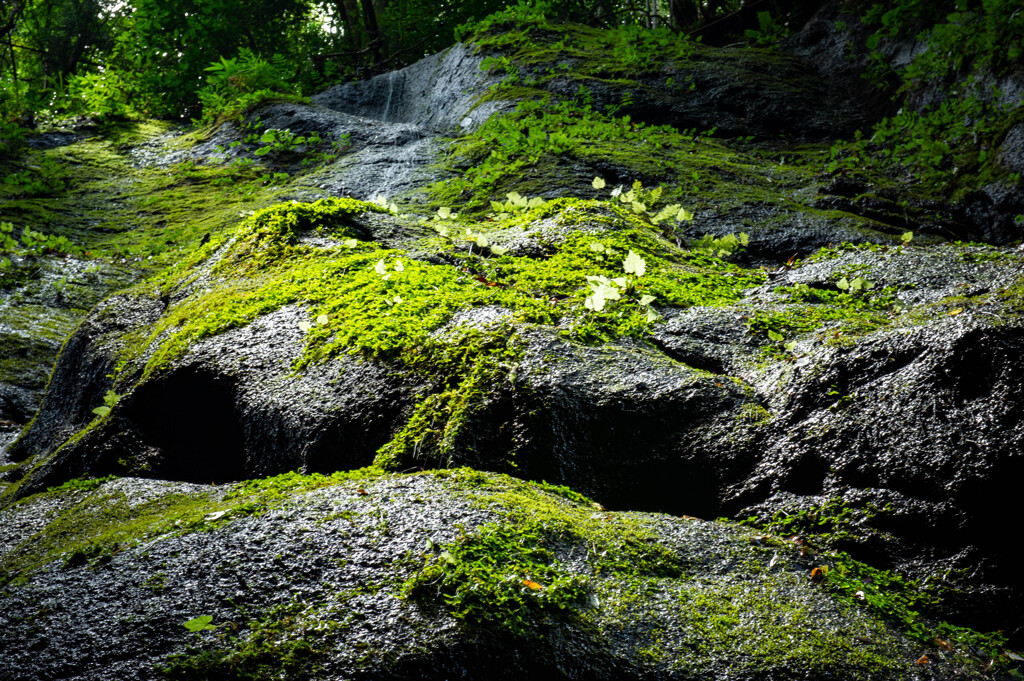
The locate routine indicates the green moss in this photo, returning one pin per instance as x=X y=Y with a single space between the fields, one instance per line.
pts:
x=81 y=484
x=538 y=41
x=913 y=605
x=825 y=525
x=506 y=574
x=908 y=603
x=550 y=558
x=94 y=521
x=115 y=208
x=277 y=488
x=278 y=644
x=715 y=617
x=99 y=524
x=835 y=314
x=1013 y=296
x=380 y=303
x=755 y=414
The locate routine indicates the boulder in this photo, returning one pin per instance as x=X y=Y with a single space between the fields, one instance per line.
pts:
x=427 y=576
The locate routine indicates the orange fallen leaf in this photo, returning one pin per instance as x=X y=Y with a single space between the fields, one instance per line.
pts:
x=923 y=660
x=362 y=492
x=533 y=585
x=817 y=574
x=943 y=644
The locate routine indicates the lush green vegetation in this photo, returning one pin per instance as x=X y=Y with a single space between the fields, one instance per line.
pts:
x=945 y=136
x=613 y=257
x=171 y=57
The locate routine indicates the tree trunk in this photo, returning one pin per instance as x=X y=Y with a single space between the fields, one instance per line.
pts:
x=372 y=31
x=354 y=27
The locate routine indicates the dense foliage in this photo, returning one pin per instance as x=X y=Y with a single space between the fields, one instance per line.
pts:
x=210 y=59
x=153 y=57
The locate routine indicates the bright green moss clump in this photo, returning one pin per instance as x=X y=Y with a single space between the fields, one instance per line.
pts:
x=506 y=574
x=382 y=303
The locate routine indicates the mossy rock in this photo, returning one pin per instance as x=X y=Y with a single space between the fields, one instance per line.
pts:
x=359 y=575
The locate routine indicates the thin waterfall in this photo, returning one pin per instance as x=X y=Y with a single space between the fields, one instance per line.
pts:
x=392 y=75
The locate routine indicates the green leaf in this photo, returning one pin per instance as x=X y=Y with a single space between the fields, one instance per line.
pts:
x=597 y=246
x=843 y=284
x=444 y=212
x=200 y=623
x=305 y=326
x=598 y=183
x=789 y=346
x=776 y=336
x=482 y=241
x=634 y=264
x=907 y=237
x=380 y=268
x=652 y=316
x=684 y=215
x=322 y=319
x=499 y=250
x=101 y=411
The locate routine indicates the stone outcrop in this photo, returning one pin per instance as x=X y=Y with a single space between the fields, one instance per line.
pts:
x=846 y=372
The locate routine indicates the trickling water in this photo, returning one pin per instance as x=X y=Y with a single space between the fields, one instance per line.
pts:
x=392 y=76
x=398 y=163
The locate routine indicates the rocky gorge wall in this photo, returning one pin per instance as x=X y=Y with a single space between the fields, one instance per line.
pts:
x=500 y=267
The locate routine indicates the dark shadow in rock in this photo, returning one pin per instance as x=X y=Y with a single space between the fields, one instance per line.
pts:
x=806 y=475
x=684 y=487
x=189 y=417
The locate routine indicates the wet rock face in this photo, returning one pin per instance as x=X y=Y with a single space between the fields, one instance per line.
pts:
x=318 y=583
x=435 y=94
x=898 y=397
x=37 y=313
x=736 y=93
x=235 y=410
x=920 y=419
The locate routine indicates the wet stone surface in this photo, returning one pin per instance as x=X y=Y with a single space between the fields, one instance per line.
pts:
x=853 y=382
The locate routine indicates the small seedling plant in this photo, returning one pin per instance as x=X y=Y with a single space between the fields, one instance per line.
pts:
x=604 y=290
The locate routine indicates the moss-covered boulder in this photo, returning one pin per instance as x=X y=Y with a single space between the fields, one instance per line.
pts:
x=560 y=277
x=425 y=576
x=589 y=351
